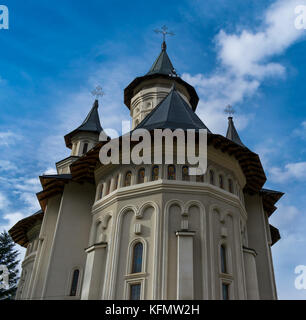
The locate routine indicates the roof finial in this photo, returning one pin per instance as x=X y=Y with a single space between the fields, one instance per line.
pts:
x=164 y=32
x=98 y=92
x=229 y=110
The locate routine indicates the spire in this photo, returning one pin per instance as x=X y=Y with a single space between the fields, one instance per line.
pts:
x=172 y=113
x=232 y=133
x=92 y=121
x=163 y=64
x=90 y=124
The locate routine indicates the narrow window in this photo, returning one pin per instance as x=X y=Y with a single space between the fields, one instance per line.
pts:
x=85 y=147
x=141 y=175
x=225 y=291
x=223 y=258
x=221 y=184
x=128 y=179
x=137 y=257
x=211 y=177
x=155 y=173
x=230 y=185
x=116 y=182
x=185 y=173
x=171 y=172
x=74 y=283
x=135 y=291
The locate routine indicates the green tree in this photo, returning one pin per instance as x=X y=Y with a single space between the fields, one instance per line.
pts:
x=8 y=258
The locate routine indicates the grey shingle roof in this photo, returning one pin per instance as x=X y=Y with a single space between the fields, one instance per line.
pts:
x=90 y=124
x=163 y=64
x=232 y=133
x=172 y=113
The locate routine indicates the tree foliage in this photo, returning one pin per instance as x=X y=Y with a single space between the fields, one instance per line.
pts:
x=8 y=258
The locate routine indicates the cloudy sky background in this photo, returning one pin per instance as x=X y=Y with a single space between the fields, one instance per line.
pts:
x=244 y=53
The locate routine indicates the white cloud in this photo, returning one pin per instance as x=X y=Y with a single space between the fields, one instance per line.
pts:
x=30 y=200
x=26 y=191
x=7 y=138
x=301 y=131
x=50 y=171
x=6 y=165
x=4 y=201
x=12 y=219
x=245 y=61
x=291 y=171
x=284 y=215
x=28 y=185
x=247 y=52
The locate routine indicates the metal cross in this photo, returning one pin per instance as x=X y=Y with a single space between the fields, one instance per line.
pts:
x=229 y=110
x=164 y=32
x=98 y=92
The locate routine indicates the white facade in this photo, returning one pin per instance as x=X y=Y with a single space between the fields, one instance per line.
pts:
x=138 y=232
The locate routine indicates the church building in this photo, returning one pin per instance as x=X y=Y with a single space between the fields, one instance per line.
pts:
x=154 y=232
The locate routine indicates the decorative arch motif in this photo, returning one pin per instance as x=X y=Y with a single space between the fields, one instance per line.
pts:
x=141 y=175
x=171 y=172
x=155 y=173
x=185 y=173
x=128 y=178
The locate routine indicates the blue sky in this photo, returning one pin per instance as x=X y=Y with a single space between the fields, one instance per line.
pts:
x=246 y=53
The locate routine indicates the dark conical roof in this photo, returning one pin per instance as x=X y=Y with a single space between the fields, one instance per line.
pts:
x=90 y=124
x=172 y=113
x=232 y=133
x=163 y=64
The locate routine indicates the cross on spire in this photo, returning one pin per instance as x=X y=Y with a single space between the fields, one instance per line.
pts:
x=164 y=32
x=98 y=92
x=229 y=110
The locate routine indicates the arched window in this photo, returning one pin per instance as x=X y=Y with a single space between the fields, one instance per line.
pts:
x=185 y=173
x=137 y=257
x=141 y=175
x=211 y=177
x=230 y=185
x=128 y=179
x=221 y=184
x=116 y=182
x=223 y=258
x=85 y=148
x=155 y=173
x=74 y=282
x=171 y=172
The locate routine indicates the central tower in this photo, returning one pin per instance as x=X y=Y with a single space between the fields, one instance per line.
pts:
x=144 y=93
